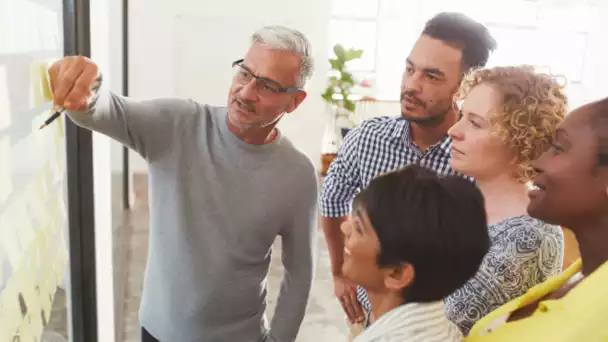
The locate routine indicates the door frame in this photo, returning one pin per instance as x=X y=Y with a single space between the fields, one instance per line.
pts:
x=80 y=194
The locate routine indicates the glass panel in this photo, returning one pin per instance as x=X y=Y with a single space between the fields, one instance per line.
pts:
x=521 y=13
x=576 y=95
x=569 y=18
x=547 y=34
x=34 y=296
x=355 y=34
x=562 y=52
x=392 y=56
x=354 y=8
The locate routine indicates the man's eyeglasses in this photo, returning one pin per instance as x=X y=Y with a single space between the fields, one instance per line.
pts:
x=264 y=86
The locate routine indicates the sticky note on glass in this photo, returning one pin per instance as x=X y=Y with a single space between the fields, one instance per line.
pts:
x=47 y=94
x=39 y=79
x=31 y=300
x=8 y=242
x=10 y=311
x=25 y=332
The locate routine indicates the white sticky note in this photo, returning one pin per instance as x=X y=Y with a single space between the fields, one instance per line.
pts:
x=6 y=184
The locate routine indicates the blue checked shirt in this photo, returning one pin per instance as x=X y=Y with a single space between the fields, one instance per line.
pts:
x=377 y=146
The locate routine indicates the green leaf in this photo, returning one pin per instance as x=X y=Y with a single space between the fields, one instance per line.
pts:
x=353 y=54
x=328 y=95
x=336 y=64
x=347 y=78
x=340 y=52
x=334 y=81
x=349 y=105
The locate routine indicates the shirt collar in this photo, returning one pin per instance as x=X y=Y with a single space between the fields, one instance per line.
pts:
x=408 y=320
x=402 y=131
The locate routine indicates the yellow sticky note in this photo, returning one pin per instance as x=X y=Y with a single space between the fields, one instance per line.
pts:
x=47 y=94
x=35 y=83
x=46 y=286
x=62 y=210
x=36 y=198
x=26 y=278
x=10 y=311
x=25 y=234
x=46 y=302
x=20 y=223
x=4 y=334
x=47 y=177
x=7 y=241
x=40 y=85
x=6 y=184
x=25 y=333
x=27 y=286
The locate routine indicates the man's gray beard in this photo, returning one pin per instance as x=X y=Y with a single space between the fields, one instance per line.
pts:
x=431 y=121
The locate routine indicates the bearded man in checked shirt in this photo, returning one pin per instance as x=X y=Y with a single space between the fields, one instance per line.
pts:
x=450 y=45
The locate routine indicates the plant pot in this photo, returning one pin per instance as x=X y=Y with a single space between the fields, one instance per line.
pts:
x=330 y=143
x=326 y=160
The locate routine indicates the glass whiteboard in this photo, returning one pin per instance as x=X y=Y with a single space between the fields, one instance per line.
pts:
x=33 y=223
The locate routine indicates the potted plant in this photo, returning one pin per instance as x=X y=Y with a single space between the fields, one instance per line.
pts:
x=339 y=91
x=339 y=98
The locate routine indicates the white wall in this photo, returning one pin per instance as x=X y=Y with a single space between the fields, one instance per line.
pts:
x=596 y=68
x=185 y=47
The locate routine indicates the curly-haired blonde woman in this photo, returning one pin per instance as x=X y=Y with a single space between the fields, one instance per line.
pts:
x=508 y=115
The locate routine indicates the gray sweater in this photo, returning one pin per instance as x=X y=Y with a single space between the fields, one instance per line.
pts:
x=216 y=206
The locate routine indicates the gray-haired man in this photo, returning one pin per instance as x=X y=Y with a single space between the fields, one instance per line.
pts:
x=224 y=183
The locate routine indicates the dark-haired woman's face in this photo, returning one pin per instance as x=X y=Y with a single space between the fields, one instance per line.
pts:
x=361 y=248
x=569 y=189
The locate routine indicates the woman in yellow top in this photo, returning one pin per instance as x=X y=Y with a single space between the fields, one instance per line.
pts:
x=571 y=189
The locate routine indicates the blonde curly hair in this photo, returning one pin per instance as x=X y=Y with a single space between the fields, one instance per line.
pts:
x=532 y=105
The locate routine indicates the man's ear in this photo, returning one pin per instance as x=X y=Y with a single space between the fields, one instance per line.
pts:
x=399 y=277
x=297 y=100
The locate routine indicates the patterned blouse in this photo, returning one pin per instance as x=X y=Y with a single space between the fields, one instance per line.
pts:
x=524 y=252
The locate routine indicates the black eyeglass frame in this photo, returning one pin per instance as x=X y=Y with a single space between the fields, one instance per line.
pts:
x=280 y=88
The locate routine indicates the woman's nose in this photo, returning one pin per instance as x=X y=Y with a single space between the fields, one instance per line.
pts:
x=454 y=131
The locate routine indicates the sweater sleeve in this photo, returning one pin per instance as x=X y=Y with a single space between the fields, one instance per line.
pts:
x=298 y=240
x=147 y=127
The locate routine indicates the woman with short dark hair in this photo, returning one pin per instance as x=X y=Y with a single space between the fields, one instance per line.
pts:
x=413 y=239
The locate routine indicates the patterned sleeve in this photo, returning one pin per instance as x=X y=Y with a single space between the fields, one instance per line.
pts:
x=525 y=252
x=342 y=180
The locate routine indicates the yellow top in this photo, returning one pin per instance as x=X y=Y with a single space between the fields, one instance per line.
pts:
x=581 y=315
